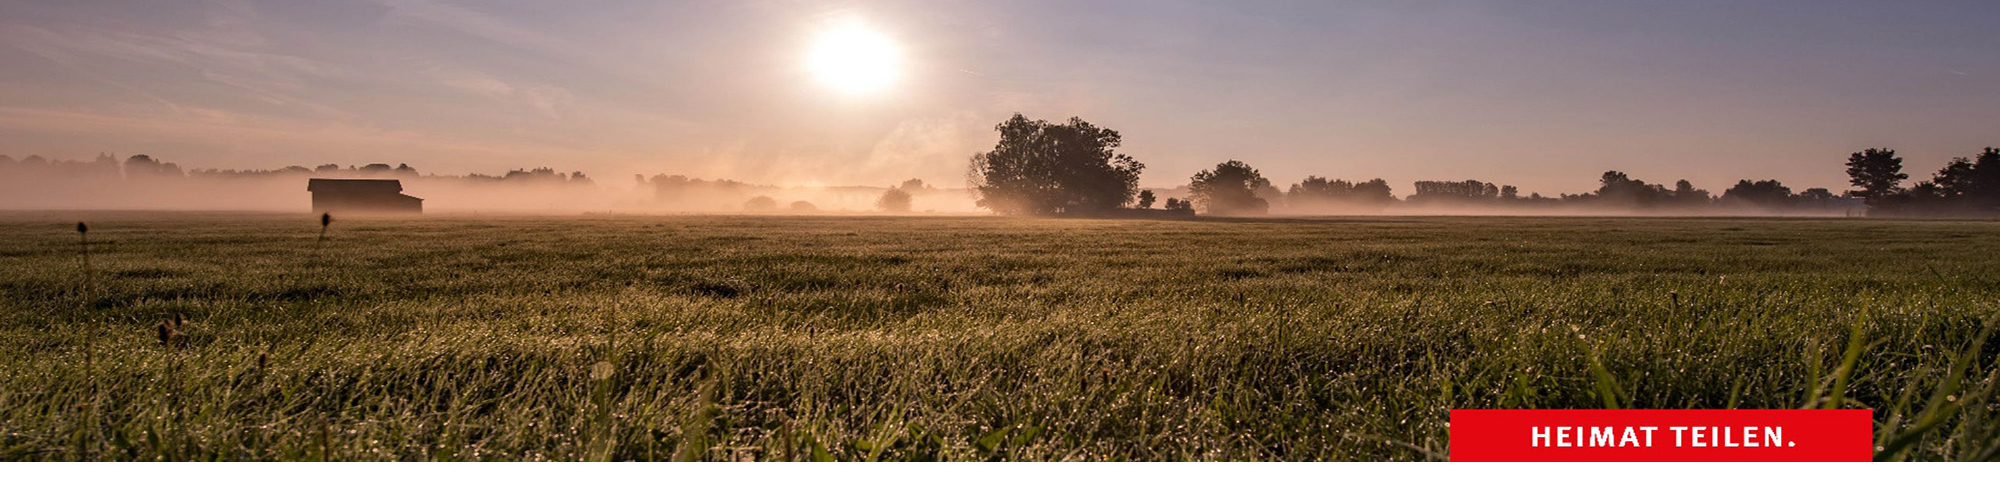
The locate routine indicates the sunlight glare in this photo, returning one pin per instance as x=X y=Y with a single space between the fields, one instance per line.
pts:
x=854 y=59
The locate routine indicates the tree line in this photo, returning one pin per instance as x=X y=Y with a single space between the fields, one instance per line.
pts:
x=1964 y=187
x=1040 y=167
x=146 y=167
x=138 y=178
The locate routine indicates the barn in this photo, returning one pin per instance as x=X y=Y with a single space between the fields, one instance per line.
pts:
x=362 y=196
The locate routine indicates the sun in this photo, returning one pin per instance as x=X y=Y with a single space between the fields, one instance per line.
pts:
x=853 y=59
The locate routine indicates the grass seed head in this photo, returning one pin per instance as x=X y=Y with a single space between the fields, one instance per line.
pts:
x=82 y=228
x=168 y=335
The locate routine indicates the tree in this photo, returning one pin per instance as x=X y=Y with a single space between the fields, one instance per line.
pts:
x=804 y=206
x=1146 y=199
x=1765 y=193
x=914 y=186
x=760 y=204
x=1041 y=168
x=1817 y=198
x=1975 y=181
x=1955 y=179
x=1926 y=195
x=1686 y=194
x=1616 y=187
x=541 y=174
x=894 y=201
x=1317 y=192
x=1455 y=191
x=1373 y=192
x=142 y=166
x=1963 y=184
x=1878 y=172
x=1229 y=189
x=1985 y=186
x=1315 y=189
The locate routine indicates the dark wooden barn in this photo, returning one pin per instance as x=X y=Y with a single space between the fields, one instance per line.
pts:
x=363 y=196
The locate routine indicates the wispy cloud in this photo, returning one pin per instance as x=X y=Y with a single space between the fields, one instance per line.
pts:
x=225 y=51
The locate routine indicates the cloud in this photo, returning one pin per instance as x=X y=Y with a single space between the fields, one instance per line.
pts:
x=224 y=51
x=546 y=101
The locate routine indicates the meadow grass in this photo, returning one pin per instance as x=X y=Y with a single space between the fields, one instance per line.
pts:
x=967 y=338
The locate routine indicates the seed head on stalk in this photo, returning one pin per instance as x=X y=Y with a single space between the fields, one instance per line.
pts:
x=89 y=334
x=83 y=241
x=325 y=219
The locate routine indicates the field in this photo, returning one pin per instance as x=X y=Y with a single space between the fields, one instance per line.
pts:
x=968 y=338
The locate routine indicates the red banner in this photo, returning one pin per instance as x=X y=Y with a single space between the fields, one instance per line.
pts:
x=1661 y=436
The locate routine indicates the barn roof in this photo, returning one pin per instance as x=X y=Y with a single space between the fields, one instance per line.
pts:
x=355 y=185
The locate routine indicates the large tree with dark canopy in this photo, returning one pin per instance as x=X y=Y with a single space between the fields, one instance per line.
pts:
x=1878 y=172
x=1964 y=185
x=1974 y=181
x=1766 y=193
x=1044 y=168
x=1229 y=189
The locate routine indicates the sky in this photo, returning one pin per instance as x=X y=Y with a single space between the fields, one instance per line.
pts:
x=1545 y=95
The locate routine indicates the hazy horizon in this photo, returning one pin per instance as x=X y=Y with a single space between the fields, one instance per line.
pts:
x=1542 y=95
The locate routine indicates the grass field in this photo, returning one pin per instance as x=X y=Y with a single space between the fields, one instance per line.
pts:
x=976 y=338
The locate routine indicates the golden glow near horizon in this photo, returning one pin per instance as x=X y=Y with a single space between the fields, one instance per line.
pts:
x=852 y=59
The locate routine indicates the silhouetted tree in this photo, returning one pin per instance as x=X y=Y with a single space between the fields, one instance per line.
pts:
x=1615 y=187
x=1317 y=192
x=894 y=200
x=914 y=186
x=804 y=206
x=146 y=166
x=1686 y=194
x=1454 y=191
x=1373 y=192
x=1146 y=199
x=1878 y=172
x=1315 y=189
x=1955 y=179
x=1985 y=185
x=1040 y=167
x=1817 y=199
x=760 y=204
x=538 y=174
x=1765 y=193
x=1972 y=183
x=1924 y=196
x=1229 y=189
